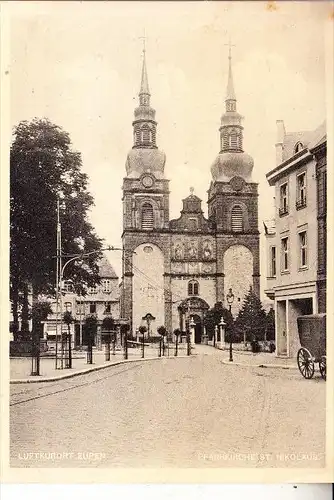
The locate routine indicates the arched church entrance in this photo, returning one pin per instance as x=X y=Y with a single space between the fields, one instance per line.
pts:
x=195 y=308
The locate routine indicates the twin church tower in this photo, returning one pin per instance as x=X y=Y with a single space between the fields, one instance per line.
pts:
x=177 y=269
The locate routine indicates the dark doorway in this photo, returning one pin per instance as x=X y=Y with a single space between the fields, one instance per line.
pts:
x=198 y=329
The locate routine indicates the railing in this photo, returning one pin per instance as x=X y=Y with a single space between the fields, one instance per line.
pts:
x=301 y=204
x=283 y=211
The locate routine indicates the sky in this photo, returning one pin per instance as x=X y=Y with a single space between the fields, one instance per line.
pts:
x=79 y=64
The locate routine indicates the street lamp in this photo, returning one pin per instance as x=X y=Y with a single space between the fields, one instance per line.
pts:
x=230 y=299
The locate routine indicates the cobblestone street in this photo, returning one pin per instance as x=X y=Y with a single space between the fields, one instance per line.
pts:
x=187 y=412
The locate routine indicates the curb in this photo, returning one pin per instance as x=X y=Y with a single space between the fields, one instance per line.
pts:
x=262 y=365
x=88 y=370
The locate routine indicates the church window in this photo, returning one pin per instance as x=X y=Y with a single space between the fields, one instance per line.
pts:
x=193 y=287
x=237 y=219
x=147 y=217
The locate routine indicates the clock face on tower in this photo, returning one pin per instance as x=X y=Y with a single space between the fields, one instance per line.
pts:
x=147 y=181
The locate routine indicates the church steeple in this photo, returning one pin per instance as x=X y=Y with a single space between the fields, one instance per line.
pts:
x=231 y=136
x=144 y=124
x=231 y=161
x=144 y=93
x=230 y=100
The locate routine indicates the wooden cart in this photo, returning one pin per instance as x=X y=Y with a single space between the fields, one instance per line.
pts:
x=312 y=336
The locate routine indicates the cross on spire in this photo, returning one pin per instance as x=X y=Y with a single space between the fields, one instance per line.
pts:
x=192 y=191
x=230 y=94
x=144 y=41
x=144 y=88
x=229 y=45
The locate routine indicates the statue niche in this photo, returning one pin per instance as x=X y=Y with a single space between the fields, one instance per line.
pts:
x=192 y=250
x=207 y=250
x=178 y=251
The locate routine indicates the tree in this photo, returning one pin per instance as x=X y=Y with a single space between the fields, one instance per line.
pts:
x=213 y=317
x=40 y=312
x=43 y=166
x=108 y=325
x=162 y=331
x=90 y=329
x=142 y=329
x=251 y=320
x=270 y=324
x=68 y=320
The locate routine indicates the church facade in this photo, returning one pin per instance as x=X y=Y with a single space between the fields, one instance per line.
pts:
x=174 y=270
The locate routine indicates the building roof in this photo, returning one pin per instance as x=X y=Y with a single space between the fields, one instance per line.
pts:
x=269 y=226
x=105 y=269
x=309 y=139
x=319 y=136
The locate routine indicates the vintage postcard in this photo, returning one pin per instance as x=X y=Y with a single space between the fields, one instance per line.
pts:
x=166 y=250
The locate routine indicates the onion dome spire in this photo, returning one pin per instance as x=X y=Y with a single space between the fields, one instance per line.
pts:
x=231 y=128
x=144 y=124
x=145 y=155
x=231 y=160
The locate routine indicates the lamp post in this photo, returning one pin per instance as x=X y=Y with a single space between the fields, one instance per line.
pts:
x=230 y=299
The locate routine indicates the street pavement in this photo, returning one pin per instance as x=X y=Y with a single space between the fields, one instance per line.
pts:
x=179 y=412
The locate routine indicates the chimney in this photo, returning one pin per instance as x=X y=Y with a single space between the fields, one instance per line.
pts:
x=280 y=140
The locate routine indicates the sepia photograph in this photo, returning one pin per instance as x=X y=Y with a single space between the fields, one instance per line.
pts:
x=165 y=293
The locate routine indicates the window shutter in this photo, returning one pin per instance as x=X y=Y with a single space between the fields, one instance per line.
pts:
x=237 y=219
x=147 y=217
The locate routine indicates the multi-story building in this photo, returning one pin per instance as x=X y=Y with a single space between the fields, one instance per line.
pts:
x=101 y=300
x=174 y=269
x=293 y=248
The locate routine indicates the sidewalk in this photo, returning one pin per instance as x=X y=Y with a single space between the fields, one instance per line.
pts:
x=247 y=358
x=20 y=368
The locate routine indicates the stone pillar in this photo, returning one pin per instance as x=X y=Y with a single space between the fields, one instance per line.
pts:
x=215 y=336
x=118 y=337
x=192 y=331
x=222 y=334
x=204 y=337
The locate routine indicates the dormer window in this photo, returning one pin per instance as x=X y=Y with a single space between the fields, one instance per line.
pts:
x=299 y=147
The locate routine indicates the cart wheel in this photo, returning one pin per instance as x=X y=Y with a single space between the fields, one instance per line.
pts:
x=322 y=367
x=305 y=363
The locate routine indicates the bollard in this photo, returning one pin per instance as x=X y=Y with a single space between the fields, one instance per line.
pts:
x=125 y=340
x=107 y=349
x=114 y=344
x=70 y=350
x=188 y=345
x=35 y=355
